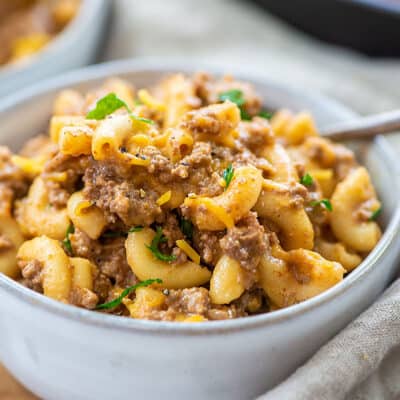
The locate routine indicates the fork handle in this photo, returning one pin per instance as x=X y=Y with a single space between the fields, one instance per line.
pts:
x=364 y=127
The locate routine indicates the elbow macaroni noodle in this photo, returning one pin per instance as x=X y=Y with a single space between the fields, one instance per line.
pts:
x=349 y=195
x=276 y=204
x=36 y=216
x=224 y=210
x=226 y=282
x=145 y=266
x=10 y=231
x=56 y=270
x=185 y=205
x=86 y=216
x=298 y=276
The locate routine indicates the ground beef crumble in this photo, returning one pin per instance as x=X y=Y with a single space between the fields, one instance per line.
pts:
x=246 y=242
x=119 y=198
x=109 y=257
x=73 y=167
x=205 y=121
x=172 y=232
x=256 y=134
x=191 y=302
x=209 y=90
x=207 y=243
x=83 y=297
x=329 y=155
x=32 y=274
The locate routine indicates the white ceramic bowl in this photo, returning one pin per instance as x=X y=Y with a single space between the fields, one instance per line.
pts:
x=74 y=47
x=62 y=352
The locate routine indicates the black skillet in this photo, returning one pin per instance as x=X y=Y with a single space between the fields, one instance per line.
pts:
x=369 y=26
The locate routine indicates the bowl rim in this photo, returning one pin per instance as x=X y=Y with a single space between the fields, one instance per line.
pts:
x=87 y=11
x=112 y=322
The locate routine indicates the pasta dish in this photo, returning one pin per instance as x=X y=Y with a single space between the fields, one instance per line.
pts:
x=26 y=26
x=187 y=201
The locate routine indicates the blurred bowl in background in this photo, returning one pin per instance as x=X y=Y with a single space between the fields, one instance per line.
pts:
x=76 y=46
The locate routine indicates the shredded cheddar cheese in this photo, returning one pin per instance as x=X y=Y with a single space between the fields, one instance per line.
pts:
x=164 y=198
x=82 y=206
x=147 y=99
x=222 y=182
x=181 y=317
x=32 y=166
x=140 y=139
x=188 y=250
x=161 y=139
x=218 y=211
x=322 y=174
x=58 y=176
x=195 y=318
x=133 y=160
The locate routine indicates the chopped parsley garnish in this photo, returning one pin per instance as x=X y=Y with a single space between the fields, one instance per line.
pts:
x=244 y=115
x=265 y=114
x=307 y=180
x=116 y=302
x=186 y=228
x=67 y=242
x=137 y=228
x=110 y=103
x=236 y=96
x=324 y=202
x=159 y=238
x=141 y=119
x=116 y=234
x=228 y=175
x=106 y=106
x=375 y=214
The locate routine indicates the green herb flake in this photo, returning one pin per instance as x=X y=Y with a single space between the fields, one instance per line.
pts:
x=234 y=95
x=228 y=175
x=160 y=238
x=67 y=242
x=307 y=180
x=116 y=302
x=141 y=119
x=116 y=234
x=136 y=229
x=244 y=115
x=324 y=202
x=186 y=228
x=265 y=114
x=375 y=214
x=106 y=106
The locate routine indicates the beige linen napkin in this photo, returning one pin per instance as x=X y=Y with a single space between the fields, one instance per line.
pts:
x=362 y=362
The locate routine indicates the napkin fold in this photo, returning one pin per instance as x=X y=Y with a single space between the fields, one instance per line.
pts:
x=360 y=363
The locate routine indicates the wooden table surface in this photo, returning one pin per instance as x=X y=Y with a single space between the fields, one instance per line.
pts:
x=12 y=390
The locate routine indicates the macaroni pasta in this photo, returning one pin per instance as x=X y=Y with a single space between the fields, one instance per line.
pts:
x=182 y=202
